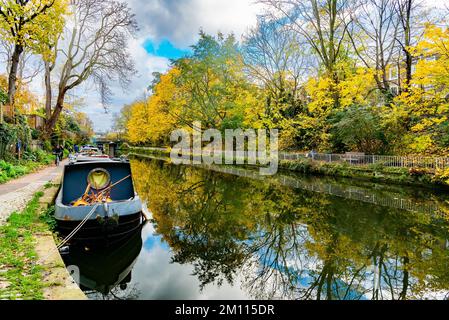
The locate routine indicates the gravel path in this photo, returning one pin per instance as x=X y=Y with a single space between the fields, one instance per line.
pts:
x=15 y=194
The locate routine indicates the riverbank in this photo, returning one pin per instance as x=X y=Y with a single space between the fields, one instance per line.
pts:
x=374 y=173
x=30 y=265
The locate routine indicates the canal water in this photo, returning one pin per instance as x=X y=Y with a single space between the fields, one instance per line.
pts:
x=228 y=233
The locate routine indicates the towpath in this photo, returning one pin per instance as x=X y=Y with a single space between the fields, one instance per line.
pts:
x=15 y=194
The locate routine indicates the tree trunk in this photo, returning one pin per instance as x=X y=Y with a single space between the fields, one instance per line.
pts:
x=51 y=121
x=408 y=58
x=18 y=49
x=408 y=70
x=48 y=95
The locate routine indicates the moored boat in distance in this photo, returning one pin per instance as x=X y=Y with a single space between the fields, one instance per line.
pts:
x=89 y=154
x=99 y=196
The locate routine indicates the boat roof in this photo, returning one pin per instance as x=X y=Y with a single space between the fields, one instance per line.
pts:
x=92 y=159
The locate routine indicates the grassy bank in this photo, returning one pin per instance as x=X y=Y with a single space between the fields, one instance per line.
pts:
x=376 y=172
x=20 y=277
x=31 y=163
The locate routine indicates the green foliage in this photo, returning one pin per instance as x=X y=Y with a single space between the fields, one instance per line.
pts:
x=31 y=161
x=48 y=217
x=47 y=146
x=7 y=135
x=3 y=97
x=357 y=129
x=35 y=134
x=442 y=177
x=39 y=156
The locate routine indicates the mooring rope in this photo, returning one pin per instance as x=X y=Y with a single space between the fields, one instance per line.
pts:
x=71 y=234
x=80 y=225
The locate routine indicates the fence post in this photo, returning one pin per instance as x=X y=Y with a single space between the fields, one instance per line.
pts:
x=374 y=159
x=330 y=158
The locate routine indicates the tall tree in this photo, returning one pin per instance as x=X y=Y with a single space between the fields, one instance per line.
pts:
x=275 y=57
x=324 y=25
x=28 y=24
x=413 y=15
x=215 y=89
x=374 y=38
x=121 y=120
x=30 y=66
x=404 y=9
x=96 y=50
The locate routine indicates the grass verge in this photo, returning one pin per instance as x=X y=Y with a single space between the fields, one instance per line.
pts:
x=20 y=277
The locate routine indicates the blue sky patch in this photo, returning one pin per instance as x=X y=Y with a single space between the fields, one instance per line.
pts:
x=165 y=49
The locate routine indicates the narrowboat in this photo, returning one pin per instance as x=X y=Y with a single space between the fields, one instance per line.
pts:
x=97 y=201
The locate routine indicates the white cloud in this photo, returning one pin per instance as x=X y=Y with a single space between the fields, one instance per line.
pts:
x=181 y=20
x=145 y=64
x=157 y=278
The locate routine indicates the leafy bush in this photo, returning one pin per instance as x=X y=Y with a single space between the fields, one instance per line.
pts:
x=34 y=134
x=442 y=177
x=357 y=129
x=7 y=136
x=30 y=162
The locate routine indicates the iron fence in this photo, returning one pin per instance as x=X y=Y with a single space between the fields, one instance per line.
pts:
x=359 y=159
x=418 y=162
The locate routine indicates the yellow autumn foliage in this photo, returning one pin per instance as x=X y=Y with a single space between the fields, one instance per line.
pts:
x=42 y=23
x=153 y=119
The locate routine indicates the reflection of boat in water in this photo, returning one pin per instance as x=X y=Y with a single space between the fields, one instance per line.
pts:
x=101 y=195
x=103 y=269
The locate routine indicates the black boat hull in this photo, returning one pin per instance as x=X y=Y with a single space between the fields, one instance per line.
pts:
x=104 y=231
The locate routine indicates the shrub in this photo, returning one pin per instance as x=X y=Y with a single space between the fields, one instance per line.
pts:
x=441 y=176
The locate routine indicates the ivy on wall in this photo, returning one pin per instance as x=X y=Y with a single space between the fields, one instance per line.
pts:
x=10 y=134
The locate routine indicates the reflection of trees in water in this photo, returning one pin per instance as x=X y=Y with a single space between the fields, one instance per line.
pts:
x=201 y=218
x=334 y=260
x=293 y=244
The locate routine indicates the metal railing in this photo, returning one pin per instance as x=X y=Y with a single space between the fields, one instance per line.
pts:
x=417 y=162
x=355 y=159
